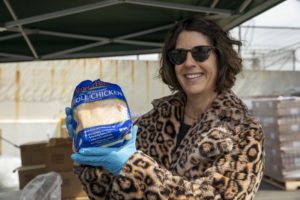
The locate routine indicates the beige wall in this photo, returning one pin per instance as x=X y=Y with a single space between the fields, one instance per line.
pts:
x=41 y=90
x=265 y=82
x=33 y=95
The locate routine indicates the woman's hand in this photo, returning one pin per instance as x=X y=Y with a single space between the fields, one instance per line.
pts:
x=110 y=158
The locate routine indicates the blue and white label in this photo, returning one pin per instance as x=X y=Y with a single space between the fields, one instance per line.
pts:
x=100 y=135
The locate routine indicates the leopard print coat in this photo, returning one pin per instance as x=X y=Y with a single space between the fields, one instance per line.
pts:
x=220 y=157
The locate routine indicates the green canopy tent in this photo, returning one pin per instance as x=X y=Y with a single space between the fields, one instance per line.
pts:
x=46 y=30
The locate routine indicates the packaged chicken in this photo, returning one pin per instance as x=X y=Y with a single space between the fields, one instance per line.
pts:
x=101 y=115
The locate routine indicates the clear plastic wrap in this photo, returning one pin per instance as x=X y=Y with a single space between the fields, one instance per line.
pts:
x=43 y=187
x=101 y=115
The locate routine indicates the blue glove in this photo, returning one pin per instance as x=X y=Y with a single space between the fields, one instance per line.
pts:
x=71 y=126
x=110 y=158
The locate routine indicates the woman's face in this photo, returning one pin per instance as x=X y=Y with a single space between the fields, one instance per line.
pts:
x=196 y=78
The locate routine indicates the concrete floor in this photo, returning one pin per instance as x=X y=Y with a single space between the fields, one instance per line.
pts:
x=270 y=192
x=265 y=192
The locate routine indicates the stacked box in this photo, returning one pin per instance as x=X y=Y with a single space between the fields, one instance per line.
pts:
x=58 y=155
x=33 y=153
x=280 y=119
x=53 y=155
x=27 y=173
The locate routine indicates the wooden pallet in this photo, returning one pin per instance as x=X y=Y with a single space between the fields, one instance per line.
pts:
x=288 y=185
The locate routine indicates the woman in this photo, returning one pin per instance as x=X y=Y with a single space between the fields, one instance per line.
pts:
x=199 y=143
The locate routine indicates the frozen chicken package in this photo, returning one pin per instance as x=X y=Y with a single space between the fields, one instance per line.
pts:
x=101 y=115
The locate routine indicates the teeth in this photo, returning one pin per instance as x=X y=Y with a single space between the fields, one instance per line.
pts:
x=193 y=75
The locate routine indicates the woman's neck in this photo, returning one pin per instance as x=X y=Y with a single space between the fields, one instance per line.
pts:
x=196 y=105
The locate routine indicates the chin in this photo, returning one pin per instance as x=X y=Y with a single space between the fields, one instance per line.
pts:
x=194 y=92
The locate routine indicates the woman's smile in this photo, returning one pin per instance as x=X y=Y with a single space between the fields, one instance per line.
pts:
x=192 y=76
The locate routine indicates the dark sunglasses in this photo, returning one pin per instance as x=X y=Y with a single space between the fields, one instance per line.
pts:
x=199 y=53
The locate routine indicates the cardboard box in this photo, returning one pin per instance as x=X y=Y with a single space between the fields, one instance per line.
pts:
x=33 y=153
x=60 y=142
x=58 y=155
x=282 y=164
x=277 y=106
x=27 y=173
x=71 y=186
x=280 y=119
x=55 y=156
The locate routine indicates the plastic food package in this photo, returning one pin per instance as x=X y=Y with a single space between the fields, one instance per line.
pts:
x=43 y=187
x=101 y=115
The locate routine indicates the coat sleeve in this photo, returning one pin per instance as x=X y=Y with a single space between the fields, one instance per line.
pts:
x=96 y=181
x=143 y=178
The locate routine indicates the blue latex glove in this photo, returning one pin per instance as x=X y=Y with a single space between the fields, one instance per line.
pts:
x=110 y=158
x=71 y=126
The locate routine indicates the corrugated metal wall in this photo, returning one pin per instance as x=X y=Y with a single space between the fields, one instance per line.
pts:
x=41 y=90
x=264 y=83
x=34 y=94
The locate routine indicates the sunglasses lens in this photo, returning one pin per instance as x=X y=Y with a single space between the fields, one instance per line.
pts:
x=177 y=56
x=201 y=53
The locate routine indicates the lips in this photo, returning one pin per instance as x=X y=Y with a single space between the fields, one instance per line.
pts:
x=193 y=75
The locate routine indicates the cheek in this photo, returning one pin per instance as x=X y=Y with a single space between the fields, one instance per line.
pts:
x=214 y=74
x=214 y=67
x=178 y=75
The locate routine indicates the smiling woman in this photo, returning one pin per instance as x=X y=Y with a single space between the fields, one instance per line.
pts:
x=196 y=78
x=209 y=69
x=199 y=143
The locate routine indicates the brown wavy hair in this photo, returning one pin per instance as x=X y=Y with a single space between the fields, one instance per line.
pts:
x=229 y=63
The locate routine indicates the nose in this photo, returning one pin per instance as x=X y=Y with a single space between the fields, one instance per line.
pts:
x=189 y=61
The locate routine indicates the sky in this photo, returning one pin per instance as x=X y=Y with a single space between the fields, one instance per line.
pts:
x=279 y=47
x=285 y=14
